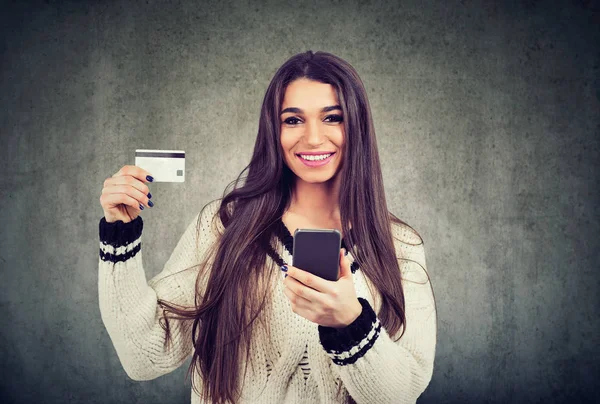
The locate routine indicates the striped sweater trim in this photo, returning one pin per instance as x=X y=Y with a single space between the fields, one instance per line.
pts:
x=348 y=357
x=120 y=241
x=346 y=345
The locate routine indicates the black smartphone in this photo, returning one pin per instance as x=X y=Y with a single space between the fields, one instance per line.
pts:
x=317 y=251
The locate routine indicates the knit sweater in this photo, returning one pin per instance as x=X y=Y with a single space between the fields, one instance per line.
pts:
x=302 y=362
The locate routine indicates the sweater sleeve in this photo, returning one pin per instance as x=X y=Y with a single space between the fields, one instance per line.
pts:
x=129 y=304
x=375 y=368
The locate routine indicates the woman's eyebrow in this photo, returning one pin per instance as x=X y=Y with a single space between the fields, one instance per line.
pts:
x=299 y=111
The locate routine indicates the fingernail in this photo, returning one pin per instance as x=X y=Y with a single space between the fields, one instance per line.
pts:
x=141 y=206
x=284 y=268
x=149 y=178
x=149 y=195
x=150 y=204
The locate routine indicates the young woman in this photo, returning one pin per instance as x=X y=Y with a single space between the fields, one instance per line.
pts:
x=258 y=329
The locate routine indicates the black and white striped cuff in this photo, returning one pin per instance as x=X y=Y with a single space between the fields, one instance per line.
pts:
x=120 y=241
x=346 y=345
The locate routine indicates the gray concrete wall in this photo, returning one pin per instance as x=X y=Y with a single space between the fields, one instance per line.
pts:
x=487 y=119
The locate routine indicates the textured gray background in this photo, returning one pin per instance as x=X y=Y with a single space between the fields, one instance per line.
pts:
x=487 y=120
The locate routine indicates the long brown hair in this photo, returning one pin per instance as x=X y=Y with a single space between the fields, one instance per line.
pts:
x=237 y=287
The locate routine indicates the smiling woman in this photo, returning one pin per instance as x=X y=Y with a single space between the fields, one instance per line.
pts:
x=254 y=333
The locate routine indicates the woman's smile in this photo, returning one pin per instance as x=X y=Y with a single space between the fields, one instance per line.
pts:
x=316 y=160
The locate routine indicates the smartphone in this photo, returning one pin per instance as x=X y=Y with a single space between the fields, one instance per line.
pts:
x=317 y=251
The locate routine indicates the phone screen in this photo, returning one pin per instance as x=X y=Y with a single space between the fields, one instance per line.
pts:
x=317 y=251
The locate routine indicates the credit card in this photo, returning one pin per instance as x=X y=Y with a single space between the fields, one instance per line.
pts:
x=163 y=165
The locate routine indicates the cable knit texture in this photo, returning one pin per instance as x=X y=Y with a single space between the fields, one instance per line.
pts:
x=303 y=362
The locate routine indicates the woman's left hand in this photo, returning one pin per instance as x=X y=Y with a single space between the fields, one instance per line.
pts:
x=327 y=303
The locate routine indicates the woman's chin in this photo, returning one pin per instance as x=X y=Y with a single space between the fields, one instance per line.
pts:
x=317 y=178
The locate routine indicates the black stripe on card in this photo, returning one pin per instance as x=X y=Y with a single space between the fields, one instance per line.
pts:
x=160 y=154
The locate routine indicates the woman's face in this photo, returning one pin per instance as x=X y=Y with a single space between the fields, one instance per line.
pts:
x=312 y=126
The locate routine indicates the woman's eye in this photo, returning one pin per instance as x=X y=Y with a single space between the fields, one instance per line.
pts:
x=335 y=118
x=288 y=121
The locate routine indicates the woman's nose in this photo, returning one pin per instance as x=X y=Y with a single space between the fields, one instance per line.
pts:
x=313 y=134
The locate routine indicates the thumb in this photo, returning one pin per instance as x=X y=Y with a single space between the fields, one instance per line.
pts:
x=344 y=265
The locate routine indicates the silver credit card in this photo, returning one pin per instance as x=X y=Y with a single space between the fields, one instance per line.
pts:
x=163 y=165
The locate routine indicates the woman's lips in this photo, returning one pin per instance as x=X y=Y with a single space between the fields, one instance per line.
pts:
x=315 y=163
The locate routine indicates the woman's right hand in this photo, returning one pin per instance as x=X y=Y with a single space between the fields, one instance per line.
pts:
x=124 y=193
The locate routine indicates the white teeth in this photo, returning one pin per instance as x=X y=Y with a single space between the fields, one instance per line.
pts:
x=316 y=157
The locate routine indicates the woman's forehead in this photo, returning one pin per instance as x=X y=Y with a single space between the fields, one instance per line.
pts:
x=309 y=95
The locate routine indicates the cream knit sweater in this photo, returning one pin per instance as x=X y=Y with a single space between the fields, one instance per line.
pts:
x=303 y=362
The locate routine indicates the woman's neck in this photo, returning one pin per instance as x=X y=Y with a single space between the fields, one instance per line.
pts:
x=316 y=201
